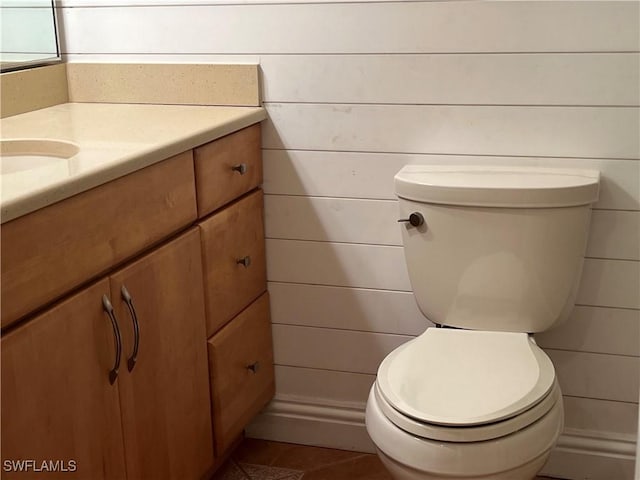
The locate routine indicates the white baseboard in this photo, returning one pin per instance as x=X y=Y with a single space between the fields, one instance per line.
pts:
x=578 y=455
x=307 y=422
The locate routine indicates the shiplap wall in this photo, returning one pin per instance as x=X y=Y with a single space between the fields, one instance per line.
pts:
x=355 y=90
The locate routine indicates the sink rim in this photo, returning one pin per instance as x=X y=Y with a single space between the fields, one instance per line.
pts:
x=43 y=147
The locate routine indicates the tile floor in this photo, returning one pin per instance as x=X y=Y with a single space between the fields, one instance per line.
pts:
x=266 y=460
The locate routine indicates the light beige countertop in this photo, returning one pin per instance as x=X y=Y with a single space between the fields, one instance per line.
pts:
x=113 y=140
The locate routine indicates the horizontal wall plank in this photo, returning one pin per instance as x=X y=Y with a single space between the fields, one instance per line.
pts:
x=613 y=234
x=337 y=264
x=596 y=132
x=604 y=283
x=332 y=219
x=323 y=384
x=592 y=375
x=600 y=415
x=367 y=27
x=610 y=283
x=598 y=330
x=346 y=308
x=526 y=79
x=370 y=175
x=324 y=348
x=224 y=59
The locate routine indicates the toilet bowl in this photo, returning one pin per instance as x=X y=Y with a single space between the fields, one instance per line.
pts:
x=494 y=255
x=422 y=430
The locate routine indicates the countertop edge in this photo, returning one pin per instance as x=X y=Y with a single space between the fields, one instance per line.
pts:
x=58 y=192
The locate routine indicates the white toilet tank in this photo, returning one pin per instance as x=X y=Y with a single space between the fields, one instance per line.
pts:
x=500 y=248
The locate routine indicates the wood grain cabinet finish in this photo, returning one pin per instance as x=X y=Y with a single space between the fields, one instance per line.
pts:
x=166 y=415
x=241 y=369
x=227 y=168
x=233 y=253
x=154 y=421
x=49 y=252
x=57 y=402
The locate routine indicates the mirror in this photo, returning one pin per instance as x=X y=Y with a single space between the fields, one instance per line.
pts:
x=28 y=34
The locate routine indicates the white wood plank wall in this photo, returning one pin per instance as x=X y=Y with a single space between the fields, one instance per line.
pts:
x=354 y=91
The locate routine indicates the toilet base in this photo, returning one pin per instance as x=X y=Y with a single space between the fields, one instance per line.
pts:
x=402 y=472
x=517 y=456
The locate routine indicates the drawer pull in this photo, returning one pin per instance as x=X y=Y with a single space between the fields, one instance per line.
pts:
x=245 y=261
x=254 y=367
x=106 y=305
x=241 y=168
x=131 y=361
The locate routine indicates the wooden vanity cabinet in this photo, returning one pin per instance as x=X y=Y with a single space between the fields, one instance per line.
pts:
x=197 y=306
x=155 y=418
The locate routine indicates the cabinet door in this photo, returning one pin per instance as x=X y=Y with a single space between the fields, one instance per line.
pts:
x=57 y=402
x=165 y=398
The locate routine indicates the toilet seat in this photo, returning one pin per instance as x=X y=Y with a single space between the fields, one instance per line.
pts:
x=466 y=379
x=468 y=434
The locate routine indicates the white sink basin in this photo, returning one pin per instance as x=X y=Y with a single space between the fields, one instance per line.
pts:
x=20 y=155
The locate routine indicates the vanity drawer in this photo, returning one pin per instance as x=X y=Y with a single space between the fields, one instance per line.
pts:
x=241 y=371
x=53 y=250
x=230 y=237
x=227 y=168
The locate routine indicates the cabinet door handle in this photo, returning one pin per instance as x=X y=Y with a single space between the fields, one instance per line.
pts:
x=241 y=168
x=106 y=305
x=244 y=261
x=131 y=361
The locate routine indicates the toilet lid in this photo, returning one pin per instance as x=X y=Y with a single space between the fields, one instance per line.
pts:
x=464 y=377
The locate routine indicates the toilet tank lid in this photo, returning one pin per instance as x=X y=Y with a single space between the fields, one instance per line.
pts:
x=497 y=186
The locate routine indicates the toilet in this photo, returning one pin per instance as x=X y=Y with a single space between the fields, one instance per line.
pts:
x=494 y=255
